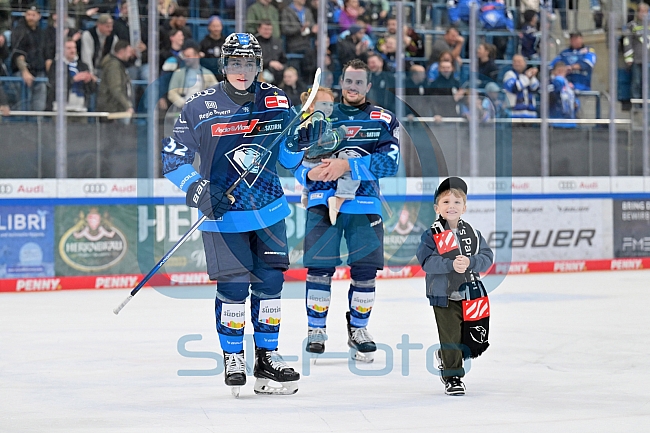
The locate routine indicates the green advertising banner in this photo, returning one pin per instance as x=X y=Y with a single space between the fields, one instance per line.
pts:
x=127 y=239
x=95 y=240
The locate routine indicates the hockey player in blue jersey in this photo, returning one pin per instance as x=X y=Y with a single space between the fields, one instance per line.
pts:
x=372 y=147
x=230 y=125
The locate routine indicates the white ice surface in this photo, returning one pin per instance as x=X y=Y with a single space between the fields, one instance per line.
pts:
x=569 y=353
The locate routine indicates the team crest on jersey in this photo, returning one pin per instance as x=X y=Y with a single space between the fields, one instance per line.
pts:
x=232 y=128
x=249 y=155
x=353 y=152
x=276 y=101
x=381 y=115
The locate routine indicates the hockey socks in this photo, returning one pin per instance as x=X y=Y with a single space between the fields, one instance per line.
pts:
x=266 y=315
x=361 y=298
x=318 y=295
x=231 y=319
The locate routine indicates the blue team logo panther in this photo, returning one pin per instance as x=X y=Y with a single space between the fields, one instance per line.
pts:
x=247 y=156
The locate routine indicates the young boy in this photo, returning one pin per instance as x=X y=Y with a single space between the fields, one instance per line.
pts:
x=448 y=268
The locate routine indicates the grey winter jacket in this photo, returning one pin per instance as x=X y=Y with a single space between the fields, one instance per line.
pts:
x=437 y=267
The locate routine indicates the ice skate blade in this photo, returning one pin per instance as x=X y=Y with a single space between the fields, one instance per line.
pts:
x=234 y=390
x=266 y=387
x=455 y=393
x=366 y=357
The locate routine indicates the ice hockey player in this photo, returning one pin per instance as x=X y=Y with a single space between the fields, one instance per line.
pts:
x=229 y=125
x=372 y=147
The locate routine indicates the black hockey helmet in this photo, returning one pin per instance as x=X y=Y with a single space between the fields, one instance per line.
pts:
x=242 y=45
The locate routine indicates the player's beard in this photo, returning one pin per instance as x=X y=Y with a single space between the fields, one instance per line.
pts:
x=355 y=100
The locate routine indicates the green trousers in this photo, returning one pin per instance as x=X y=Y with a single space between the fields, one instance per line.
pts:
x=450 y=331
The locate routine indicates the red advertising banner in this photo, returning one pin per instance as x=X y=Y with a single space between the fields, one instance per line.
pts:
x=199 y=278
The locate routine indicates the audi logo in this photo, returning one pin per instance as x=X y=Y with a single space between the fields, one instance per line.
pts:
x=94 y=188
x=498 y=186
x=567 y=184
x=6 y=188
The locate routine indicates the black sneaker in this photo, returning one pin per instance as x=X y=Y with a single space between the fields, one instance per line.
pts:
x=454 y=386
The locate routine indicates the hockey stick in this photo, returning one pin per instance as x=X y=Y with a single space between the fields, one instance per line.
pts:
x=255 y=163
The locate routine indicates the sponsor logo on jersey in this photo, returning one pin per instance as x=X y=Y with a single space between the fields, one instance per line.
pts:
x=247 y=156
x=232 y=128
x=207 y=92
x=476 y=309
x=381 y=115
x=266 y=128
x=362 y=302
x=318 y=300
x=211 y=105
x=445 y=242
x=270 y=312
x=276 y=101
x=357 y=133
x=233 y=316
x=211 y=113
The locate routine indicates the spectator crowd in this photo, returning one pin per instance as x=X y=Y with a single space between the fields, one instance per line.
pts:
x=103 y=62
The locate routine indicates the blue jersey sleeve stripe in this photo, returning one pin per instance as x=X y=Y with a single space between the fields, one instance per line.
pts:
x=301 y=175
x=359 y=168
x=183 y=176
x=287 y=158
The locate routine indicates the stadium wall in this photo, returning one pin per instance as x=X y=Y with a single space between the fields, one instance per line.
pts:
x=108 y=233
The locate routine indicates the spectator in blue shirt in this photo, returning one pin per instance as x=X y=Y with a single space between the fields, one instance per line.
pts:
x=580 y=61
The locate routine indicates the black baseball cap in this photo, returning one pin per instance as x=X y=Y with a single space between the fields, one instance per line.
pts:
x=449 y=183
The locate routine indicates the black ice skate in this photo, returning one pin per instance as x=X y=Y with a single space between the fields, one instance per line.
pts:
x=234 y=371
x=454 y=386
x=316 y=340
x=269 y=366
x=360 y=340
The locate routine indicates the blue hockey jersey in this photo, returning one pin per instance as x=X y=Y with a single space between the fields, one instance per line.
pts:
x=586 y=58
x=372 y=147
x=229 y=137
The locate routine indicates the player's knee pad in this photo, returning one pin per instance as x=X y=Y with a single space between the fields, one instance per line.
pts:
x=361 y=297
x=266 y=314
x=267 y=282
x=231 y=318
x=233 y=288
